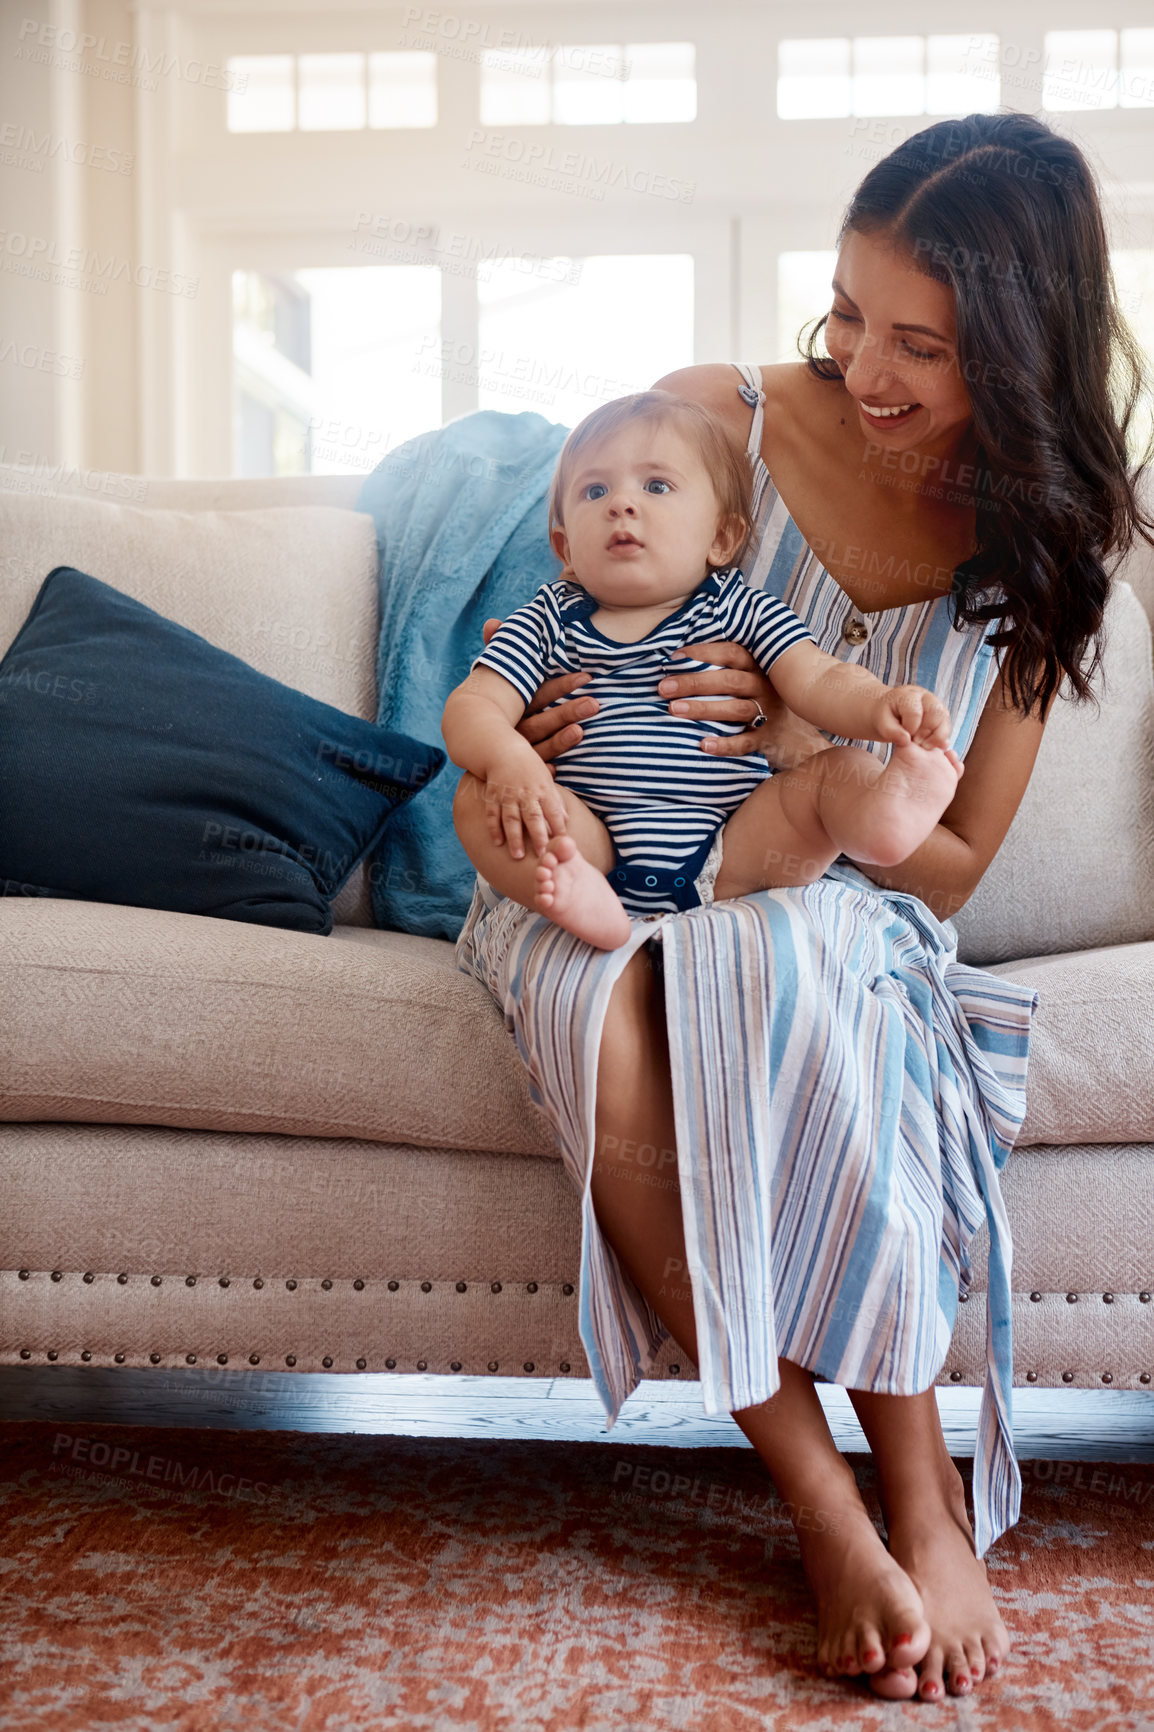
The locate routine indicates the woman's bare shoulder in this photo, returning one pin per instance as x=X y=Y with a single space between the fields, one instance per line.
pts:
x=716 y=385
x=792 y=391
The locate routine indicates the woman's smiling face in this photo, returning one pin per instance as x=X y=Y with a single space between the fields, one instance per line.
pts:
x=891 y=331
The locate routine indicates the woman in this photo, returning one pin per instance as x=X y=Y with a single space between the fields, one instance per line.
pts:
x=839 y=1091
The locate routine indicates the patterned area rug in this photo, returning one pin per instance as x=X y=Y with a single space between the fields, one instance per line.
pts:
x=194 y=1580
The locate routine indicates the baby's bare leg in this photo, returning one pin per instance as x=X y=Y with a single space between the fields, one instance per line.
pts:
x=568 y=884
x=840 y=801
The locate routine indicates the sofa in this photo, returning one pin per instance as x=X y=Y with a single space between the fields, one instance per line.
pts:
x=229 y=1145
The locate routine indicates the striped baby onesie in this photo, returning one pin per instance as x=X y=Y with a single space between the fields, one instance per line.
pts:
x=639 y=768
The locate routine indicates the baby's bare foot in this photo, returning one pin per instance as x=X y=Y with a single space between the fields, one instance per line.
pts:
x=969 y=1640
x=905 y=803
x=870 y=1616
x=573 y=894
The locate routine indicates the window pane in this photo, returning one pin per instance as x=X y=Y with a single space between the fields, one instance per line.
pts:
x=369 y=379
x=374 y=332
x=662 y=83
x=262 y=99
x=588 y=89
x=515 y=87
x=269 y=441
x=402 y=90
x=1137 y=58
x=272 y=370
x=803 y=293
x=1134 y=276
x=1080 y=69
x=962 y=75
x=889 y=75
x=813 y=81
x=332 y=92
x=562 y=348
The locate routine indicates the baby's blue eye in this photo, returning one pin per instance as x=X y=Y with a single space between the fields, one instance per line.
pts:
x=656 y=482
x=596 y=490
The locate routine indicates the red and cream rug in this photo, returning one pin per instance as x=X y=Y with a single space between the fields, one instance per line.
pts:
x=196 y=1580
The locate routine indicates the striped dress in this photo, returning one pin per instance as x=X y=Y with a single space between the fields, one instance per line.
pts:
x=845 y=1091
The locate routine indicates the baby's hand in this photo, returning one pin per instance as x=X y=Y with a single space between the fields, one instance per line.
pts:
x=911 y=715
x=520 y=796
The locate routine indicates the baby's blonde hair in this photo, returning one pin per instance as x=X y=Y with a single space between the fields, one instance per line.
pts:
x=728 y=468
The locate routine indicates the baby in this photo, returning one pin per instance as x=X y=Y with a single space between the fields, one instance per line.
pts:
x=650 y=504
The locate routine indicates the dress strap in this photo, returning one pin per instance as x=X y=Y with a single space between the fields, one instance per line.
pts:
x=752 y=393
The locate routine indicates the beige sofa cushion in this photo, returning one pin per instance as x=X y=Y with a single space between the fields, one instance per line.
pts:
x=291 y=589
x=216 y=493
x=1090 y=1075
x=1076 y=869
x=138 y=1016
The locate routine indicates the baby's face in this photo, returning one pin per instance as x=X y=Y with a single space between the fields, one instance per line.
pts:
x=641 y=518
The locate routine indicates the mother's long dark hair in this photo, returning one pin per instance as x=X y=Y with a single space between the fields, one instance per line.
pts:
x=1006 y=212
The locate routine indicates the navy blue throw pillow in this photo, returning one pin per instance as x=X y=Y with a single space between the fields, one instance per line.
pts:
x=140 y=764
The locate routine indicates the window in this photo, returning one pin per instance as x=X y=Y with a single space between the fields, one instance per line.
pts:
x=402 y=90
x=1136 y=69
x=331 y=92
x=1093 y=69
x=589 y=84
x=262 y=97
x=824 y=78
x=889 y=75
x=662 y=82
x=804 y=293
x=962 y=75
x=516 y=88
x=1134 y=278
x=332 y=367
x=563 y=343
x=272 y=362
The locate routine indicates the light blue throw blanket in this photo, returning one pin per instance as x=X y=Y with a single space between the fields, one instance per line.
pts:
x=462 y=528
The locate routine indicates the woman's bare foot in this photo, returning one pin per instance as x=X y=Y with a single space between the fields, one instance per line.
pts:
x=896 y=814
x=870 y=1616
x=573 y=894
x=969 y=1641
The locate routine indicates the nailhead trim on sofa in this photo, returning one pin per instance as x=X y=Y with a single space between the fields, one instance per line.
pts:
x=529 y=1367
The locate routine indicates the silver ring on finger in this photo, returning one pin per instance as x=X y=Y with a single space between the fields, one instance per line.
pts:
x=760 y=719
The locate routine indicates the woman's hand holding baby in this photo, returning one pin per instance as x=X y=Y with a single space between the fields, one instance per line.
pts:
x=783 y=738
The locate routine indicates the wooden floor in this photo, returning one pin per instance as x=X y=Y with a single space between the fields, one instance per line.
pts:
x=1059 y=1425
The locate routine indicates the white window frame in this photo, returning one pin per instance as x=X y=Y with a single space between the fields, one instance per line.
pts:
x=188 y=347
x=740 y=220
